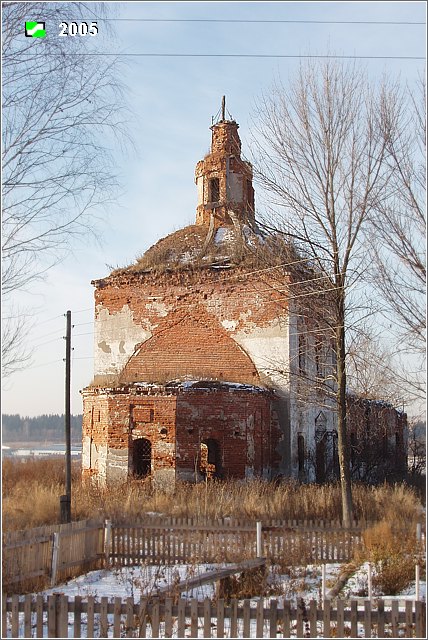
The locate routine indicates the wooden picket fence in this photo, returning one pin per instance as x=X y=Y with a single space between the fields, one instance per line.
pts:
x=59 y=616
x=172 y=541
x=48 y=555
x=34 y=558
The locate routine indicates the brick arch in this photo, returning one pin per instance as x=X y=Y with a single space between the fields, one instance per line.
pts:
x=191 y=345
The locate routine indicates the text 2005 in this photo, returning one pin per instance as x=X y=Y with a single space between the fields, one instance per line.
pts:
x=78 y=29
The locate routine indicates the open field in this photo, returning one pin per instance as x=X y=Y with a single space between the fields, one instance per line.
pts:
x=31 y=492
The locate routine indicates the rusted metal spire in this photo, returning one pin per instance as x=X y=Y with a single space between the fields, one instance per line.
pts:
x=223 y=108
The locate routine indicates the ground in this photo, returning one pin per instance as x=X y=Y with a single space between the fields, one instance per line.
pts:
x=145 y=580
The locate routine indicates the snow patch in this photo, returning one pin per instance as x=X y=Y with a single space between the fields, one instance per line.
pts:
x=223 y=234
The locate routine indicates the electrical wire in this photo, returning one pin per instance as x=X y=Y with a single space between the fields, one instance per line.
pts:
x=230 y=55
x=81 y=310
x=262 y=21
x=45 y=364
x=36 y=346
x=50 y=319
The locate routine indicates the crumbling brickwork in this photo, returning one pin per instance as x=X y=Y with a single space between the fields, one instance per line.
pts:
x=176 y=420
x=224 y=180
x=205 y=365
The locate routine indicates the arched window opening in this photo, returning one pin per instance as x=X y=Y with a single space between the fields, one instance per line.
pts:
x=210 y=458
x=142 y=457
x=320 y=460
x=321 y=421
x=214 y=190
x=326 y=455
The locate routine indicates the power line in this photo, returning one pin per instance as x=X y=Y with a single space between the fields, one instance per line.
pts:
x=46 y=335
x=249 y=21
x=50 y=319
x=233 y=55
x=81 y=311
x=36 y=346
x=45 y=364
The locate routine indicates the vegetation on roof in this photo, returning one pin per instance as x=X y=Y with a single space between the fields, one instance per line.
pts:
x=196 y=246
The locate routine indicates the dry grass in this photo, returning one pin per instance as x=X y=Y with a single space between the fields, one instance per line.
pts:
x=31 y=492
x=191 y=248
x=392 y=549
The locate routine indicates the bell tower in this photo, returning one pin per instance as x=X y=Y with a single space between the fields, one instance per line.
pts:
x=224 y=181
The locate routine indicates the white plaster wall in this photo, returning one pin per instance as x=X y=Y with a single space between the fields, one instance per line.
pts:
x=86 y=452
x=200 y=189
x=116 y=336
x=302 y=419
x=236 y=192
x=268 y=347
x=99 y=459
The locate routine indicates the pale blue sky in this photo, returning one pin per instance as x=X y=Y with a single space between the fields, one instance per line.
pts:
x=173 y=100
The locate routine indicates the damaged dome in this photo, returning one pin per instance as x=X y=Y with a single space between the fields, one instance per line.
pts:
x=201 y=245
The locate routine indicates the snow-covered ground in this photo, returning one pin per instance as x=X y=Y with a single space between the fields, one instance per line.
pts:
x=145 y=580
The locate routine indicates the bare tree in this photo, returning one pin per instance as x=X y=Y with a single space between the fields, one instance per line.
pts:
x=399 y=225
x=62 y=111
x=14 y=353
x=320 y=156
x=417 y=452
x=371 y=370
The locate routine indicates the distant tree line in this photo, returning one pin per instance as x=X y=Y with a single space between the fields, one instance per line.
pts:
x=49 y=428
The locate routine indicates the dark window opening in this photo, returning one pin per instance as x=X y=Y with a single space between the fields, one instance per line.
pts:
x=142 y=457
x=353 y=447
x=385 y=443
x=326 y=456
x=210 y=458
x=367 y=416
x=335 y=461
x=301 y=453
x=397 y=441
x=320 y=460
x=214 y=190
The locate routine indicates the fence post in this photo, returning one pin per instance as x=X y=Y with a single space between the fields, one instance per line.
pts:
x=259 y=539
x=418 y=532
x=323 y=583
x=369 y=580
x=107 y=541
x=417 y=577
x=55 y=554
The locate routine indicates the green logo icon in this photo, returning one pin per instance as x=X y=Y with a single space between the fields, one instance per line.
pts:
x=35 y=30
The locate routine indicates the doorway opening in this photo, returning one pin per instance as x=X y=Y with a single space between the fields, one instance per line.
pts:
x=210 y=458
x=142 y=457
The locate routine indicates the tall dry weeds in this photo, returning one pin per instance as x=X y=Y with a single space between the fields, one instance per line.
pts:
x=31 y=492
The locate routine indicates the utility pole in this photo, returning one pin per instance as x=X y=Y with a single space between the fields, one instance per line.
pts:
x=65 y=501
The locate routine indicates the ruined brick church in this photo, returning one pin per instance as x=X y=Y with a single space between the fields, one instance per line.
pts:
x=200 y=350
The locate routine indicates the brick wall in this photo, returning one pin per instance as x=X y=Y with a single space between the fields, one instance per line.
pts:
x=239 y=421
x=192 y=345
x=176 y=422
x=210 y=303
